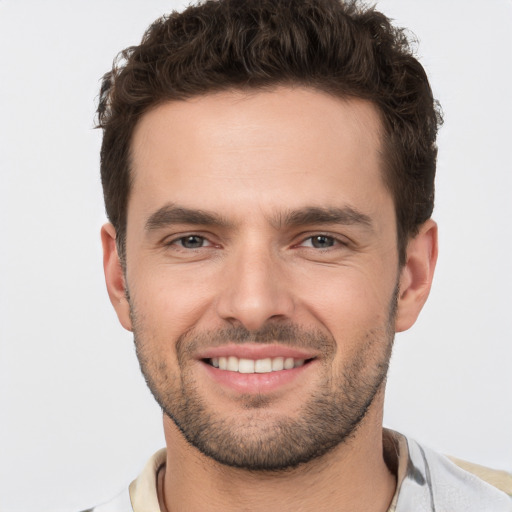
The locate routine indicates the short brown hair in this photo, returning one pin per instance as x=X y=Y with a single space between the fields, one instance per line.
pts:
x=342 y=48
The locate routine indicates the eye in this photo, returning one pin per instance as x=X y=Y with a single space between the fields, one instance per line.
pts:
x=192 y=242
x=320 y=241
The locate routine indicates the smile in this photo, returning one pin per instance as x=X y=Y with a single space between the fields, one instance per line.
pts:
x=266 y=365
x=256 y=368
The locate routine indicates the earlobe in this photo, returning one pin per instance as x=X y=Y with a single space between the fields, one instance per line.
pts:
x=416 y=275
x=114 y=276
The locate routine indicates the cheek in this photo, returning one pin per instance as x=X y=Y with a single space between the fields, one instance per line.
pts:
x=358 y=318
x=170 y=299
x=349 y=303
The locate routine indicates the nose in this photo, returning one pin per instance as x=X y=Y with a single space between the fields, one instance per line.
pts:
x=255 y=289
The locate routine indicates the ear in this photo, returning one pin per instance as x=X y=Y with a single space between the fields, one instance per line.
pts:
x=416 y=275
x=114 y=276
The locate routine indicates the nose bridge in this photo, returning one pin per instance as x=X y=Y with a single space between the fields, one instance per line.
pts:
x=255 y=287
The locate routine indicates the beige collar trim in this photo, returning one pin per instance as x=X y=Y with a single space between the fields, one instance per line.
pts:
x=143 y=493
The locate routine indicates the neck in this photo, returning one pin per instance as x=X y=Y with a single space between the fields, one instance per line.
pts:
x=352 y=477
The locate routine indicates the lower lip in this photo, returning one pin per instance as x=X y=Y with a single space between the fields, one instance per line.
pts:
x=255 y=383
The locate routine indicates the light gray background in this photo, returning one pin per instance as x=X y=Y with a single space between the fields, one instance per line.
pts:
x=76 y=420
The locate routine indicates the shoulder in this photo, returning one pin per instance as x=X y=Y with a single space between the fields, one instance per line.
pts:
x=142 y=493
x=440 y=484
x=497 y=478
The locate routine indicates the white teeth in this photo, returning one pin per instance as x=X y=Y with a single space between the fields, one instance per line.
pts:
x=289 y=363
x=277 y=364
x=233 y=364
x=246 y=366
x=267 y=365
x=263 y=365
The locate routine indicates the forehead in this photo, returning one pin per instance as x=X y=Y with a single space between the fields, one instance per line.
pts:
x=284 y=146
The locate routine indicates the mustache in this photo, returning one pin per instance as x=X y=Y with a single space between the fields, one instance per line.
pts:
x=288 y=334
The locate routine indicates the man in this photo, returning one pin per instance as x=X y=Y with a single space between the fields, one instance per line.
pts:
x=268 y=170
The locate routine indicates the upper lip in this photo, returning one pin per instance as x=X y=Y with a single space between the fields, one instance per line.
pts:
x=256 y=351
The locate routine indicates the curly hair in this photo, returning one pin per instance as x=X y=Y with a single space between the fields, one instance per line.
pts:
x=342 y=48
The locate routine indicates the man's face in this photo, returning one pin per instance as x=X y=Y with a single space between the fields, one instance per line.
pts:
x=261 y=239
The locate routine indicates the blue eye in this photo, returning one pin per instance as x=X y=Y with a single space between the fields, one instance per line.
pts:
x=322 y=241
x=192 y=242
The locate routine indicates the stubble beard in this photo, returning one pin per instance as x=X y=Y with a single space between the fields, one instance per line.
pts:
x=255 y=440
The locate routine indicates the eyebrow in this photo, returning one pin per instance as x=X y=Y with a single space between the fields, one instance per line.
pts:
x=171 y=214
x=317 y=215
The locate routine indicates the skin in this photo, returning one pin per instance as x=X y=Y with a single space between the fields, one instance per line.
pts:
x=252 y=159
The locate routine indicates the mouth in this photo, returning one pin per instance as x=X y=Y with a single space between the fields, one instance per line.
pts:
x=252 y=368
x=259 y=366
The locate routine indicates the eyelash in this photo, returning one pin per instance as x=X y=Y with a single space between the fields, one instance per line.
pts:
x=180 y=241
x=334 y=241
x=329 y=238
